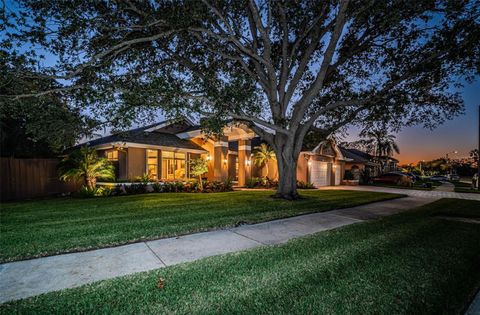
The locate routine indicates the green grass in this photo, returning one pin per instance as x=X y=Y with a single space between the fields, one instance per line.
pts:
x=462 y=187
x=411 y=263
x=46 y=227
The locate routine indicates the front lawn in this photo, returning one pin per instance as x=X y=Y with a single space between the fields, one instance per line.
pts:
x=46 y=227
x=462 y=187
x=411 y=263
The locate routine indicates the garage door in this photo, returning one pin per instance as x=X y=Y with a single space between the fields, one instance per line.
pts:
x=320 y=173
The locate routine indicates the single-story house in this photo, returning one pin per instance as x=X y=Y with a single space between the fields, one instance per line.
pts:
x=163 y=151
x=357 y=162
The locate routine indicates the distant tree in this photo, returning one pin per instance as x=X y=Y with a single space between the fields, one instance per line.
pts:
x=282 y=67
x=198 y=167
x=263 y=154
x=84 y=164
x=474 y=154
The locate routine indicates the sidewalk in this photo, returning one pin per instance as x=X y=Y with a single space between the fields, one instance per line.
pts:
x=434 y=194
x=27 y=278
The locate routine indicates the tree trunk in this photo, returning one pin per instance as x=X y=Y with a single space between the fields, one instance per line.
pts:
x=200 y=183
x=90 y=182
x=287 y=159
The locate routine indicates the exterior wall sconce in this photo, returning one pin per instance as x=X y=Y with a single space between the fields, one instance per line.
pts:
x=224 y=161
x=208 y=157
x=309 y=162
x=248 y=162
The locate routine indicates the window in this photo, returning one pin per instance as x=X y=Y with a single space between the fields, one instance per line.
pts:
x=112 y=155
x=152 y=164
x=173 y=165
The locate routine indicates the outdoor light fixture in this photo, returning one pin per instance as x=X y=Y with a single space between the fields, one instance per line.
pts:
x=309 y=163
x=247 y=162
x=224 y=161
x=208 y=157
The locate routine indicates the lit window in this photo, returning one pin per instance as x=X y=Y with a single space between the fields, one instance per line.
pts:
x=152 y=164
x=112 y=155
x=173 y=165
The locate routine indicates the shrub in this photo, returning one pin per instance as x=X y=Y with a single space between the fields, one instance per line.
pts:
x=304 y=185
x=405 y=181
x=86 y=192
x=251 y=182
x=133 y=189
x=228 y=184
x=157 y=187
x=348 y=175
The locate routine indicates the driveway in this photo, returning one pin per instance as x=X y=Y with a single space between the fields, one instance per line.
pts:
x=432 y=194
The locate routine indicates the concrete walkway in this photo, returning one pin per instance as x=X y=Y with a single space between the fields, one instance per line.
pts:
x=434 y=194
x=32 y=277
x=445 y=186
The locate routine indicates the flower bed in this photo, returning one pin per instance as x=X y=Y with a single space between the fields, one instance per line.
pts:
x=132 y=188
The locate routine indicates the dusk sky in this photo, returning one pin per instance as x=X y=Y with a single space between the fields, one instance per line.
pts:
x=459 y=134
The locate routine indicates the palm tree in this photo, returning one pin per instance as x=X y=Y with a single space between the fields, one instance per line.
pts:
x=262 y=154
x=84 y=164
x=381 y=144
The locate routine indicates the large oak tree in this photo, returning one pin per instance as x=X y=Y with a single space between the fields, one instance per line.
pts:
x=282 y=67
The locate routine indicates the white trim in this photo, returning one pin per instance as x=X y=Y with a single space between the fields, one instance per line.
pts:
x=147 y=146
x=232 y=152
x=246 y=136
x=245 y=147
x=189 y=134
x=220 y=144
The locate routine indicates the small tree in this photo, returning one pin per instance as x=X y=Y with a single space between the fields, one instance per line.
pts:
x=262 y=154
x=84 y=164
x=198 y=167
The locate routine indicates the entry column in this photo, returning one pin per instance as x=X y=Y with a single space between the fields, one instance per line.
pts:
x=244 y=161
x=220 y=166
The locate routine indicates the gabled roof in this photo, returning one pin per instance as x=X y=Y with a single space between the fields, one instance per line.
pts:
x=163 y=134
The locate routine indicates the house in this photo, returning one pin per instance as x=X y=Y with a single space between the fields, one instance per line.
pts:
x=163 y=151
x=358 y=162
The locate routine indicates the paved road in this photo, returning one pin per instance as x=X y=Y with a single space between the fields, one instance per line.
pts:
x=32 y=277
x=436 y=194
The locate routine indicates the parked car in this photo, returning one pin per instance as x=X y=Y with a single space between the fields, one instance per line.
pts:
x=394 y=178
x=453 y=177
x=438 y=178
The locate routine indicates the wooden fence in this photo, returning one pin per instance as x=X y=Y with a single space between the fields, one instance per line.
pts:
x=31 y=178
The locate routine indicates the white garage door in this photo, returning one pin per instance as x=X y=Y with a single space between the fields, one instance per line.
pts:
x=320 y=173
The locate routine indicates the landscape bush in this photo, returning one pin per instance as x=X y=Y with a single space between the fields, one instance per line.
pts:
x=305 y=185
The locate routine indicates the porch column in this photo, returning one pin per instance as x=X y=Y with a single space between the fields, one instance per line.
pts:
x=220 y=162
x=244 y=161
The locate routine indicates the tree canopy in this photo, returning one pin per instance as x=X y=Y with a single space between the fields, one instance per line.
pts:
x=283 y=67
x=40 y=126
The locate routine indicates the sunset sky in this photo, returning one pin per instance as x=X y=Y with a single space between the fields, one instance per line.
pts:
x=459 y=134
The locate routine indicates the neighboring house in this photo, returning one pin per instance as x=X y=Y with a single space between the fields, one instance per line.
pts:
x=358 y=162
x=163 y=151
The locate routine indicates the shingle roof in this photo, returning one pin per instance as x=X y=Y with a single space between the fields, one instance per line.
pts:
x=150 y=138
x=355 y=155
